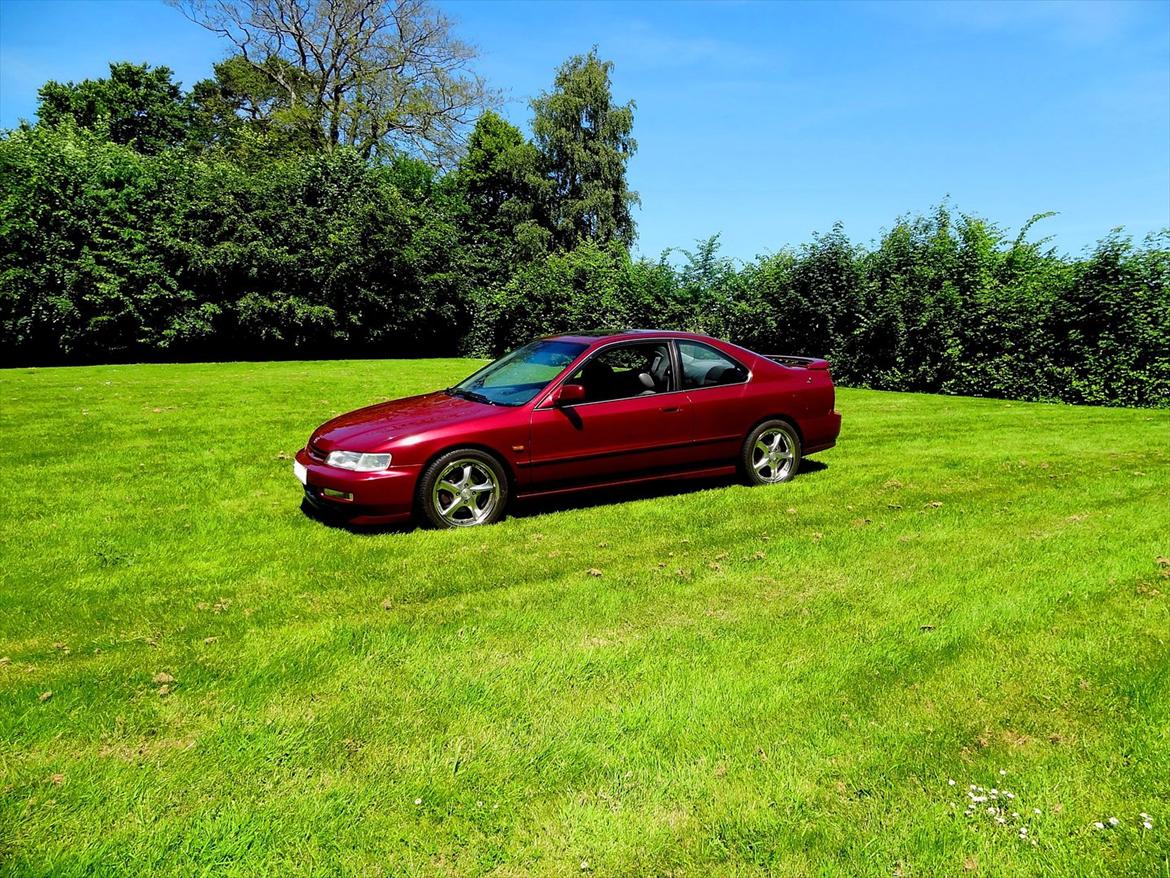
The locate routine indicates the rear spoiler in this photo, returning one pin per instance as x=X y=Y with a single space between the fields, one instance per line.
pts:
x=798 y=362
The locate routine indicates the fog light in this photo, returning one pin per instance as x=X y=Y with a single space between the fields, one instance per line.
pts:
x=337 y=495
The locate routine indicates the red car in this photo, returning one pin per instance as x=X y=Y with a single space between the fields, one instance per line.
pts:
x=570 y=412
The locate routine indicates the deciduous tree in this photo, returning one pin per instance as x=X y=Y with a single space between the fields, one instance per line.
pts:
x=243 y=109
x=137 y=105
x=384 y=75
x=506 y=196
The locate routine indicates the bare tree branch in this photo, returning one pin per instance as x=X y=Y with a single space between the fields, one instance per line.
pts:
x=384 y=74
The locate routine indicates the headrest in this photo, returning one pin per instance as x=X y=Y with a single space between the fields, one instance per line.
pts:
x=716 y=374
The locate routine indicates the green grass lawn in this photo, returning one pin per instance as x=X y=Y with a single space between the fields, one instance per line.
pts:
x=725 y=681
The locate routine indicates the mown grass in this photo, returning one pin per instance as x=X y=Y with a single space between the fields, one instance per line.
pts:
x=760 y=681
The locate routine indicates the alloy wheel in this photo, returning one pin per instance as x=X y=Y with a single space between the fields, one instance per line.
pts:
x=466 y=492
x=772 y=456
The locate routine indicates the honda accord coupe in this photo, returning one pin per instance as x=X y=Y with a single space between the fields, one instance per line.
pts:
x=570 y=412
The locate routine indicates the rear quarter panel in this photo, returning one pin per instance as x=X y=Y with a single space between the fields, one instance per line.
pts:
x=805 y=396
x=723 y=415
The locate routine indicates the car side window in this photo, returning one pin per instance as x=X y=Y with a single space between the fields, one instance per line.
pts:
x=703 y=366
x=623 y=371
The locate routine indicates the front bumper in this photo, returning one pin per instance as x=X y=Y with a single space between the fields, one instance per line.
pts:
x=384 y=497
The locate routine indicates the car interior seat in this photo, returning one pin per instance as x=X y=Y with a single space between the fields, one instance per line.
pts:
x=660 y=371
x=718 y=374
x=598 y=379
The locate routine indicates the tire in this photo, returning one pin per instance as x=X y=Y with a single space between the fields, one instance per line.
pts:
x=770 y=454
x=463 y=488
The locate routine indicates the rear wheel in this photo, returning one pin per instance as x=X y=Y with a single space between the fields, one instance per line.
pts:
x=463 y=488
x=771 y=453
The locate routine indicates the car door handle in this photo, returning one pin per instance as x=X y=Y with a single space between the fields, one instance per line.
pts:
x=671 y=409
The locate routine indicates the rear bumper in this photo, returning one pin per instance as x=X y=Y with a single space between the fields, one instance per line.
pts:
x=385 y=497
x=821 y=433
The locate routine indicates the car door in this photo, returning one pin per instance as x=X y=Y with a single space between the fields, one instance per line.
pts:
x=716 y=387
x=633 y=420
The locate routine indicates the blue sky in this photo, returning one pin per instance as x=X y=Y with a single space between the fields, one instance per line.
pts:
x=767 y=122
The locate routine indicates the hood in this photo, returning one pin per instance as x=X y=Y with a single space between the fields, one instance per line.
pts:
x=370 y=428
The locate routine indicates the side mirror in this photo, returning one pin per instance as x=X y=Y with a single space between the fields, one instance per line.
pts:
x=567 y=394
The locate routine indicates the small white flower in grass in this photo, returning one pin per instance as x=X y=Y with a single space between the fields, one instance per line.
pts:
x=1001 y=820
x=1010 y=795
x=479 y=804
x=951 y=782
x=1146 y=824
x=991 y=810
x=584 y=865
x=1098 y=825
x=1035 y=810
x=418 y=801
x=1113 y=821
x=1002 y=772
x=1016 y=815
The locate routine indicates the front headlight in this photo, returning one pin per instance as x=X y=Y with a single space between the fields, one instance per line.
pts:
x=357 y=461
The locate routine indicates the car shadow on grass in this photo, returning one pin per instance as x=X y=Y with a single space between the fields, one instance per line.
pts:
x=339 y=522
x=586 y=498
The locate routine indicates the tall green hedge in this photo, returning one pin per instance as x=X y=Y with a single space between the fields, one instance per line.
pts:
x=106 y=253
x=944 y=304
x=111 y=254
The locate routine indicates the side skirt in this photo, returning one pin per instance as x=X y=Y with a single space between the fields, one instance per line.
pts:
x=707 y=473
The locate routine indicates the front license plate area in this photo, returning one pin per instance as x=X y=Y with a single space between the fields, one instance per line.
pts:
x=300 y=472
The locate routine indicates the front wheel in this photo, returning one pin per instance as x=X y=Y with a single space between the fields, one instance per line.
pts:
x=463 y=488
x=771 y=454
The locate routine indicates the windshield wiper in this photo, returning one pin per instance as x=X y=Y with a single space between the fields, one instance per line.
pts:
x=469 y=394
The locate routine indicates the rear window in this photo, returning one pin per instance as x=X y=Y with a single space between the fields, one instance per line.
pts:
x=703 y=366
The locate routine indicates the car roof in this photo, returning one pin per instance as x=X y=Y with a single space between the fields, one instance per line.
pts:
x=608 y=335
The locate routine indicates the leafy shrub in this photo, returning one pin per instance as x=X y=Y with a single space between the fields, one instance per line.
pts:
x=108 y=253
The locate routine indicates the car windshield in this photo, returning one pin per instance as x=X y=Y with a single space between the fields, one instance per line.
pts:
x=516 y=378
